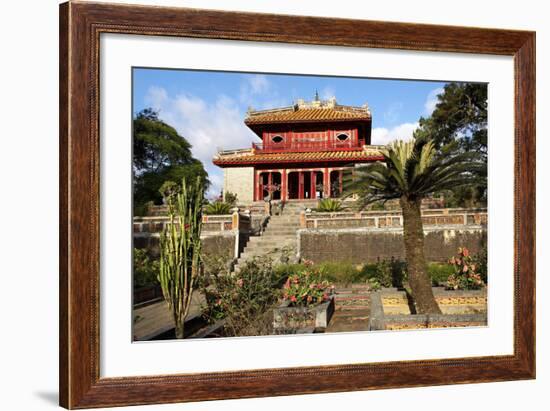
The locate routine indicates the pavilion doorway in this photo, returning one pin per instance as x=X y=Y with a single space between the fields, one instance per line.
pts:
x=270 y=184
x=305 y=185
x=336 y=177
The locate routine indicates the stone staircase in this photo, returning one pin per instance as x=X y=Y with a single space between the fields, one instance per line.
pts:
x=279 y=237
x=352 y=309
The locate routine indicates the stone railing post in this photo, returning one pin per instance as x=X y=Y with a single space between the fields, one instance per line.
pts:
x=235 y=228
x=235 y=219
x=303 y=221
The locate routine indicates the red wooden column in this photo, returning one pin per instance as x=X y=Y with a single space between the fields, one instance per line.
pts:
x=300 y=185
x=283 y=185
x=255 y=187
x=312 y=188
x=326 y=183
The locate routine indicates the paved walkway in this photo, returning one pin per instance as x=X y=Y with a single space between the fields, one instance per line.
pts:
x=154 y=319
x=352 y=309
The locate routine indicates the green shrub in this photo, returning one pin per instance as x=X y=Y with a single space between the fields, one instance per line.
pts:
x=439 y=273
x=146 y=270
x=217 y=208
x=306 y=287
x=378 y=206
x=169 y=189
x=465 y=276
x=142 y=209
x=480 y=260
x=342 y=273
x=283 y=271
x=329 y=205
x=386 y=273
x=244 y=298
x=231 y=198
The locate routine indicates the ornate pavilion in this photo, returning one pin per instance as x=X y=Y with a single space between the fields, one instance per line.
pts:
x=303 y=152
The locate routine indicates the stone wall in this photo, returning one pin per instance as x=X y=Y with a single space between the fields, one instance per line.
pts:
x=367 y=245
x=240 y=181
x=219 y=244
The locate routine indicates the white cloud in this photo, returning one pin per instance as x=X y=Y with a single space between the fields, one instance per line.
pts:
x=327 y=93
x=207 y=126
x=382 y=136
x=258 y=84
x=432 y=100
x=392 y=113
x=254 y=86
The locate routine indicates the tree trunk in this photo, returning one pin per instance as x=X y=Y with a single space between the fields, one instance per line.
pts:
x=179 y=331
x=413 y=237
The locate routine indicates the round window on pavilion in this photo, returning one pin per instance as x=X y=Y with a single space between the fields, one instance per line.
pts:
x=277 y=139
x=342 y=136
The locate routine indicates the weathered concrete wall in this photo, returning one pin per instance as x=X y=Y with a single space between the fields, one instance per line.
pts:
x=213 y=245
x=239 y=180
x=369 y=245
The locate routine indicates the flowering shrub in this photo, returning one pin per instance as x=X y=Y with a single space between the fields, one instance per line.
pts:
x=306 y=288
x=466 y=275
x=242 y=298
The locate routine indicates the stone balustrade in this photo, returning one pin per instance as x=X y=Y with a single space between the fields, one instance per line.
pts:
x=388 y=219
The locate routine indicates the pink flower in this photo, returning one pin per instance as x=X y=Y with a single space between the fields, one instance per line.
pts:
x=465 y=269
x=465 y=252
x=293 y=299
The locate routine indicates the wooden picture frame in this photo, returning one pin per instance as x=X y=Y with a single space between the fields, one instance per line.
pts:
x=80 y=27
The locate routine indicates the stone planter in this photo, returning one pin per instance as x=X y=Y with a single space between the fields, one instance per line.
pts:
x=296 y=320
x=391 y=310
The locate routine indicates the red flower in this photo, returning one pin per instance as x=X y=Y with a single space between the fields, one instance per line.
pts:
x=465 y=252
x=293 y=299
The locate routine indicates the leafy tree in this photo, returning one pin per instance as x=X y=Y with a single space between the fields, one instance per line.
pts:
x=160 y=154
x=410 y=171
x=460 y=116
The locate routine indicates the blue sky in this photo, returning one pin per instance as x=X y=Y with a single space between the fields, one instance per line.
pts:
x=208 y=108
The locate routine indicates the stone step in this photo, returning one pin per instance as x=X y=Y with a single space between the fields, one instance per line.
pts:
x=279 y=231
x=343 y=325
x=353 y=308
x=261 y=253
x=271 y=238
x=362 y=313
x=351 y=292
x=276 y=237
x=283 y=223
x=355 y=297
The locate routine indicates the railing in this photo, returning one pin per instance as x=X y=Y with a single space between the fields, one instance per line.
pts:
x=210 y=223
x=388 y=219
x=306 y=146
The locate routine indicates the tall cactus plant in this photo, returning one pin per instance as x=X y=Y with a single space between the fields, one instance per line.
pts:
x=180 y=250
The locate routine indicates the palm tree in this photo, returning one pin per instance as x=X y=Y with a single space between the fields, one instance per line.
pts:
x=410 y=171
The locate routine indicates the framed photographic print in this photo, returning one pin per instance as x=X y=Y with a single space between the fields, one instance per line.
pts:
x=258 y=205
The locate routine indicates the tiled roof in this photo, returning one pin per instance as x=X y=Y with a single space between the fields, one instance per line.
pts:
x=297 y=114
x=252 y=157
